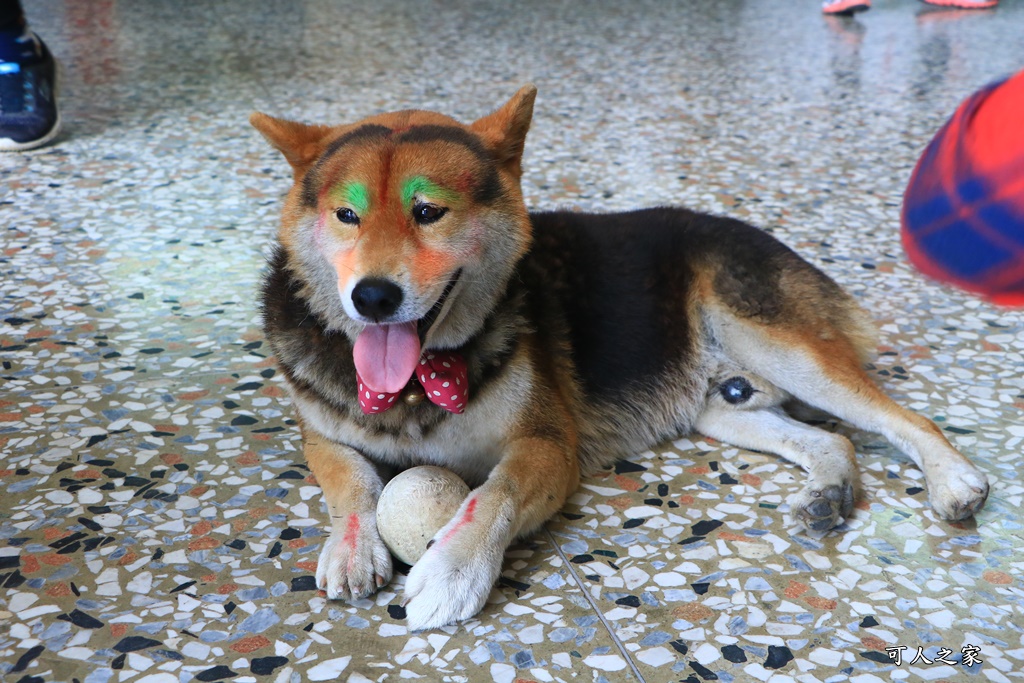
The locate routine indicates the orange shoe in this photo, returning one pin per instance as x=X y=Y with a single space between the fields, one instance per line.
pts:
x=846 y=7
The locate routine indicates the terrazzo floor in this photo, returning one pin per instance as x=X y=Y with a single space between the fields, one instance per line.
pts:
x=157 y=522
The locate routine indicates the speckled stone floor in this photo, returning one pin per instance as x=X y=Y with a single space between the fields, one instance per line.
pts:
x=157 y=521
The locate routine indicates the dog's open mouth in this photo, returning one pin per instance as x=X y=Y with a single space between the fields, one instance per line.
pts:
x=386 y=355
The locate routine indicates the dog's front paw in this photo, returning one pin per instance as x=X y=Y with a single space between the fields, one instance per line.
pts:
x=452 y=580
x=960 y=493
x=354 y=561
x=447 y=585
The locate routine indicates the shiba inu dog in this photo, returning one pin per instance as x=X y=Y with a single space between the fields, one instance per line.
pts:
x=548 y=345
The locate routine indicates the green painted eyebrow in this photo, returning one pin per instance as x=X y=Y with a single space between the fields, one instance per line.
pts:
x=354 y=194
x=419 y=185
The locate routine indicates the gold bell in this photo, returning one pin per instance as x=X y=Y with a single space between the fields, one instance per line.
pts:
x=414 y=395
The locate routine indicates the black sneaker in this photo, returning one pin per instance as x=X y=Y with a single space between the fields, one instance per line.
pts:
x=28 y=104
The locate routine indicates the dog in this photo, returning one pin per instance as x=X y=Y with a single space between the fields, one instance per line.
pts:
x=408 y=266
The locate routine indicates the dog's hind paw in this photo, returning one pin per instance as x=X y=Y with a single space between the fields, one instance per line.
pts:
x=354 y=561
x=820 y=509
x=960 y=494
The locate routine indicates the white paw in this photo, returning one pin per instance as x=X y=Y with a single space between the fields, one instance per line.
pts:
x=960 y=492
x=354 y=561
x=452 y=580
x=447 y=586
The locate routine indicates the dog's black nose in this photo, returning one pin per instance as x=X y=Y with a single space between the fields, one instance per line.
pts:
x=376 y=298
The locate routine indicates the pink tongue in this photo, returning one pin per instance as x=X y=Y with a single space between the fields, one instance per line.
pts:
x=386 y=356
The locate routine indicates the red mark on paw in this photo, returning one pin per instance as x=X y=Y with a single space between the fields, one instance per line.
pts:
x=351 y=531
x=349 y=539
x=467 y=517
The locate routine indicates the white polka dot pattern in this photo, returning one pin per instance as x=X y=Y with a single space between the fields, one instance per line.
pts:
x=437 y=370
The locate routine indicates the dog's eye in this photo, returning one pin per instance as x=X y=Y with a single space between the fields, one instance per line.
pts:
x=427 y=213
x=346 y=215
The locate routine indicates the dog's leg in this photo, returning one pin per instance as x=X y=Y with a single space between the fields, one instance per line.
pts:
x=827 y=373
x=354 y=562
x=956 y=488
x=828 y=458
x=452 y=580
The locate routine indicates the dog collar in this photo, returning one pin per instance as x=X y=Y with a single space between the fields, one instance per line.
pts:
x=441 y=377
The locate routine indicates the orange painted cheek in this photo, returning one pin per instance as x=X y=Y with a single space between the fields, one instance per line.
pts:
x=429 y=266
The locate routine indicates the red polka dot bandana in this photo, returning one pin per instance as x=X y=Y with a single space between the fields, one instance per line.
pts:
x=444 y=379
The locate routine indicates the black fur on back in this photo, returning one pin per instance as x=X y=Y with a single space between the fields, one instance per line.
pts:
x=618 y=285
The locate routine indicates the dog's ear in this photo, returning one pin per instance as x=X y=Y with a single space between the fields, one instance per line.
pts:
x=299 y=143
x=504 y=131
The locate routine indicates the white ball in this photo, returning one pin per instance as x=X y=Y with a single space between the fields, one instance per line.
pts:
x=414 y=506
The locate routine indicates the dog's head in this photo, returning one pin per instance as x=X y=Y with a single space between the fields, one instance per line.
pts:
x=405 y=226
